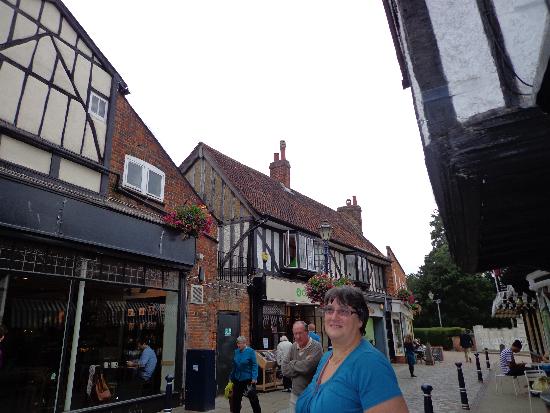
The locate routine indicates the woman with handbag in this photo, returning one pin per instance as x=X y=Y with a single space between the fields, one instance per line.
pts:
x=244 y=377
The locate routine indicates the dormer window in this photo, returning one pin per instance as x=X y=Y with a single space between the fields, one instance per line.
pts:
x=144 y=178
x=98 y=107
x=298 y=251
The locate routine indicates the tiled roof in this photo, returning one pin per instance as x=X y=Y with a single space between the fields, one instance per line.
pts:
x=269 y=197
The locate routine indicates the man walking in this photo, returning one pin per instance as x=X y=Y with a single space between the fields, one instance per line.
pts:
x=301 y=362
x=283 y=349
x=466 y=343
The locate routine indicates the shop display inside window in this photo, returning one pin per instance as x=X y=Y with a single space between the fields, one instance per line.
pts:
x=125 y=336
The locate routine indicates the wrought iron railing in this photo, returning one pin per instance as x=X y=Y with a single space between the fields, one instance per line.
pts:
x=235 y=268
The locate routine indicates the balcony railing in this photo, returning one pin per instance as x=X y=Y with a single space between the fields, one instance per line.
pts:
x=235 y=269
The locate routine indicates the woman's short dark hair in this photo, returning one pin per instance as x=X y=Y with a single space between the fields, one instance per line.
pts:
x=352 y=297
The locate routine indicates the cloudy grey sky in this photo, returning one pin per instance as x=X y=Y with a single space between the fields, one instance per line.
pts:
x=240 y=75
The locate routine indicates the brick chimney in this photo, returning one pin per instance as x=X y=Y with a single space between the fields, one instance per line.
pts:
x=353 y=212
x=279 y=169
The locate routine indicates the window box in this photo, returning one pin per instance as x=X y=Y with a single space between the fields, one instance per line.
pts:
x=143 y=178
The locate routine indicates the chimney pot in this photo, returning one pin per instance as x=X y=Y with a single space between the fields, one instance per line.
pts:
x=348 y=202
x=354 y=200
x=275 y=156
x=283 y=149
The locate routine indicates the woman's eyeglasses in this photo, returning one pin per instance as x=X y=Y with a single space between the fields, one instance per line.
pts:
x=341 y=312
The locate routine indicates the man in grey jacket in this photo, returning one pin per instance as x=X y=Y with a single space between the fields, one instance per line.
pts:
x=301 y=362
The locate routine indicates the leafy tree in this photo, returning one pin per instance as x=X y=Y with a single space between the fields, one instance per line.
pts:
x=466 y=299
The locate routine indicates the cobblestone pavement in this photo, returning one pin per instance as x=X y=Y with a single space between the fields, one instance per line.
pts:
x=445 y=396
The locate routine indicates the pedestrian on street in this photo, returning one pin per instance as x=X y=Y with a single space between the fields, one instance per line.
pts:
x=312 y=333
x=508 y=364
x=410 y=353
x=244 y=374
x=283 y=349
x=301 y=361
x=354 y=377
x=466 y=343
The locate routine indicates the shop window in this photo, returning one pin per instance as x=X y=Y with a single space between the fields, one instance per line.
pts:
x=398 y=338
x=34 y=312
x=143 y=177
x=118 y=325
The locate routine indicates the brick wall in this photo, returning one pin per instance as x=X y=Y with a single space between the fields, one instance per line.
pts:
x=395 y=275
x=132 y=137
x=218 y=296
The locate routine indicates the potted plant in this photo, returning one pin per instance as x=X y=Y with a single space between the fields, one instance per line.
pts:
x=319 y=284
x=190 y=220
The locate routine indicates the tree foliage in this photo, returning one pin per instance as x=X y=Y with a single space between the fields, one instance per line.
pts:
x=466 y=299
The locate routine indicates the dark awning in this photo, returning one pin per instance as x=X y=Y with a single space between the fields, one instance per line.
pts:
x=33 y=209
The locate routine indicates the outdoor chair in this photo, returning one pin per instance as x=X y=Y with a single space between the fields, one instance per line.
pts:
x=501 y=376
x=531 y=376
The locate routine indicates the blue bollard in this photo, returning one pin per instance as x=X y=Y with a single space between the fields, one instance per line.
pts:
x=427 y=389
x=168 y=394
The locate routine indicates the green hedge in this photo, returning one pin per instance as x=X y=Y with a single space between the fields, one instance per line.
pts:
x=438 y=336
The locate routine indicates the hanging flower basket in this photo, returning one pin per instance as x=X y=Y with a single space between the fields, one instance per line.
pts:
x=190 y=220
x=405 y=295
x=416 y=309
x=319 y=284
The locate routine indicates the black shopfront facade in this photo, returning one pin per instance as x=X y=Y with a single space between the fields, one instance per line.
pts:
x=80 y=284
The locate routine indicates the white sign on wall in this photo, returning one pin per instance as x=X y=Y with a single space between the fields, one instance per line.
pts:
x=278 y=289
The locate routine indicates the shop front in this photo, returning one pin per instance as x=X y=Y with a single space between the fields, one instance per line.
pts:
x=285 y=303
x=375 y=329
x=402 y=324
x=79 y=313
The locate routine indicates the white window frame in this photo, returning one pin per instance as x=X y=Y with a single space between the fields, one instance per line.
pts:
x=145 y=168
x=96 y=115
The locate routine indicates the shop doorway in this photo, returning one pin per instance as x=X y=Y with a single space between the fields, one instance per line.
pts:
x=229 y=328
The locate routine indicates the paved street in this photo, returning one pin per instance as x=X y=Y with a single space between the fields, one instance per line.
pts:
x=445 y=396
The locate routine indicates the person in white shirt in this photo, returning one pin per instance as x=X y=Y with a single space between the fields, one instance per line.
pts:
x=283 y=348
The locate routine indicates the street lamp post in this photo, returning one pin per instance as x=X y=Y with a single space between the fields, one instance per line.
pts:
x=325 y=230
x=437 y=301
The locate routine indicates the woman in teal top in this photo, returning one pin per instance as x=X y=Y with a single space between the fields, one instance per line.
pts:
x=244 y=373
x=354 y=377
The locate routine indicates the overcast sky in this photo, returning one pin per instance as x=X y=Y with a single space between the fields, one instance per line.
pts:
x=241 y=75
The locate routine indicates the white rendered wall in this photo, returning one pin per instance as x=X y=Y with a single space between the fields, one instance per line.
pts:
x=466 y=58
x=491 y=338
x=524 y=25
x=417 y=96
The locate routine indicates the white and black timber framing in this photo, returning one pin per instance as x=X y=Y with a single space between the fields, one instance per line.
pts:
x=49 y=68
x=244 y=235
x=486 y=144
